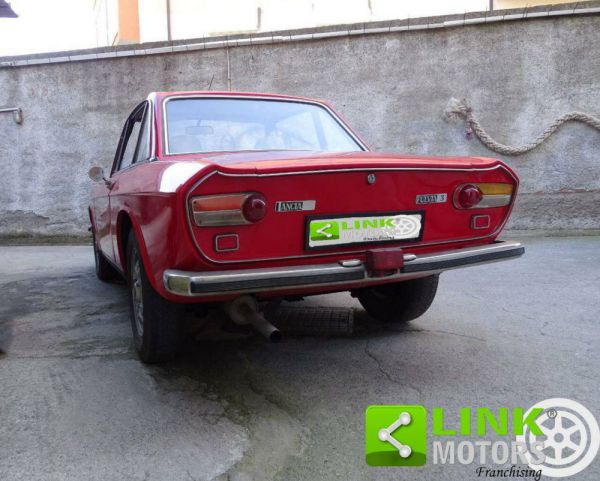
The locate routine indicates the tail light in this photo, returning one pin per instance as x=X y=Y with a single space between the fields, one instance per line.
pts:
x=228 y=209
x=468 y=196
x=254 y=207
x=483 y=195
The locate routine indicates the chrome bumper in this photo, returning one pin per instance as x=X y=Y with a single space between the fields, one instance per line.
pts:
x=198 y=284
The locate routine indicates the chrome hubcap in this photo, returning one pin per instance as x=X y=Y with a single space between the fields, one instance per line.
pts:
x=136 y=295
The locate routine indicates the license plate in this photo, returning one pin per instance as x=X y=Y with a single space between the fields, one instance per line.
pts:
x=363 y=229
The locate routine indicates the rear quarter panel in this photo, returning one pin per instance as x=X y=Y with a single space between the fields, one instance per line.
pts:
x=136 y=198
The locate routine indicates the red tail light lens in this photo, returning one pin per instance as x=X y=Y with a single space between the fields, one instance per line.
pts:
x=255 y=207
x=467 y=196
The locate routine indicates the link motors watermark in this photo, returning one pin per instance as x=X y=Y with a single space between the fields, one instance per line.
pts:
x=556 y=437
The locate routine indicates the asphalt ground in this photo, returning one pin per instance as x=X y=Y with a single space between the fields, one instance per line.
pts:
x=75 y=403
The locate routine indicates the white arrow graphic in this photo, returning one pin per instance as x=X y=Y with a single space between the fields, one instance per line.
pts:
x=323 y=229
x=385 y=434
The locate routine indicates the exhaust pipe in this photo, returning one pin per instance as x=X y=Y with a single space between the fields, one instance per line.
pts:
x=244 y=310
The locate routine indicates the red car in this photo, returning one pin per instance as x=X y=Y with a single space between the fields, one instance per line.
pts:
x=239 y=197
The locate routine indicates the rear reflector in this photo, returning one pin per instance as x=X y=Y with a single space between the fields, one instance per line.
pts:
x=227 y=242
x=480 y=221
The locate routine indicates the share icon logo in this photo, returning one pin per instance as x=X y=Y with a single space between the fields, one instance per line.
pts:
x=385 y=434
x=395 y=435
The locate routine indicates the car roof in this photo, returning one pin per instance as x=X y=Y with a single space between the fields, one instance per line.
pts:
x=227 y=93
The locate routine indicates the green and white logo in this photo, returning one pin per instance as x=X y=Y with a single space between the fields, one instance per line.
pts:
x=556 y=437
x=396 y=435
x=322 y=231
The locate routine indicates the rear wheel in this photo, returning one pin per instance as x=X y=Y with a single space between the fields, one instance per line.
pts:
x=401 y=301
x=104 y=270
x=156 y=323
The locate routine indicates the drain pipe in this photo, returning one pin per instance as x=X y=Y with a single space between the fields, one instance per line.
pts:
x=16 y=111
x=244 y=310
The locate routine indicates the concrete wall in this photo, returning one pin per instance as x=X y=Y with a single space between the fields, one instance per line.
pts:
x=393 y=87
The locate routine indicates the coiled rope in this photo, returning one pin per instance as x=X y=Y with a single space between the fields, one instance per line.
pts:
x=460 y=109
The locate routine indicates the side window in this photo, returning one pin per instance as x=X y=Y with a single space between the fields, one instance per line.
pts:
x=133 y=131
x=135 y=139
x=143 y=146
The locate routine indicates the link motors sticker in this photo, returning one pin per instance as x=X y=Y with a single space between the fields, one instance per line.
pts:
x=361 y=229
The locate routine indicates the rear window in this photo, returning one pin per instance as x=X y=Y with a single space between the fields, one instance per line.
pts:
x=196 y=125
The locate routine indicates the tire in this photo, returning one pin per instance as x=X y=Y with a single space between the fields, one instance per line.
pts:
x=156 y=323
x=401 y=301
x=104 y=270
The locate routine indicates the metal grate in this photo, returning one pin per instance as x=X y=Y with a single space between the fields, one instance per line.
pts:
x=313 y=321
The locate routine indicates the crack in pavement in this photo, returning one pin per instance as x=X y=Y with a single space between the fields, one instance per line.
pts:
x=438 y=331
x=387 y=375
x=269 y=452
x=450 y=333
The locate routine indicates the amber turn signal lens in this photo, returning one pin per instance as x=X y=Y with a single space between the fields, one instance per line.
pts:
x=218 y=202
x=496 y=189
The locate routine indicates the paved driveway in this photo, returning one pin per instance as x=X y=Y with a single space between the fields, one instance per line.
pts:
x=76 y=404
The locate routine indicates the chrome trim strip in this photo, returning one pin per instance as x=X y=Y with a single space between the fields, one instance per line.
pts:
x=333 y=253
x=166 y=100
x=152 y=100
x=198 y=284
x=457 y=254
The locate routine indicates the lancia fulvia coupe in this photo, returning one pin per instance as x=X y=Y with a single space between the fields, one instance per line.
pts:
x=237 y=198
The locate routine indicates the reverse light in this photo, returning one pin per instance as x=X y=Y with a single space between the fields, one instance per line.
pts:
x=483 y=195
x=228 y=209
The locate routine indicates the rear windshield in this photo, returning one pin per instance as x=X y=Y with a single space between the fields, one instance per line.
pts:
x=197 y=125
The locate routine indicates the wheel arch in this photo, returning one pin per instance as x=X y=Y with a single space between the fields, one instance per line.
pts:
x=126 y=223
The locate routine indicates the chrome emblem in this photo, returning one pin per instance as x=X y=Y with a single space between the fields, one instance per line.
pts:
x=431 y=198
x=371 y=178
x=295 y=205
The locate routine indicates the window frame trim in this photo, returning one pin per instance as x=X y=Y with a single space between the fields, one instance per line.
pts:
x=148 y=114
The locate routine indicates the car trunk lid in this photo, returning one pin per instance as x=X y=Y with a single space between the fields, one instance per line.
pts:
x=340 y=205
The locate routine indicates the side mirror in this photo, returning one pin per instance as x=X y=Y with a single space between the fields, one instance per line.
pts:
x=96 y=174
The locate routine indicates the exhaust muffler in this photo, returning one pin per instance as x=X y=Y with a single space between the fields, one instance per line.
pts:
x=244 y=310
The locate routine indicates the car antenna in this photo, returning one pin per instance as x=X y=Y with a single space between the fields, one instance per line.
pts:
x=211 y=81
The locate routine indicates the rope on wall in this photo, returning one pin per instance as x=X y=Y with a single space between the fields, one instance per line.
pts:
x=460 y=109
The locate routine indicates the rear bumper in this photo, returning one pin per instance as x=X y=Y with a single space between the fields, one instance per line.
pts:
x=199 y=284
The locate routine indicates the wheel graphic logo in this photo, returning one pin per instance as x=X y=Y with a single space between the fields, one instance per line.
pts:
x=407 y=226
x=571 y=437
